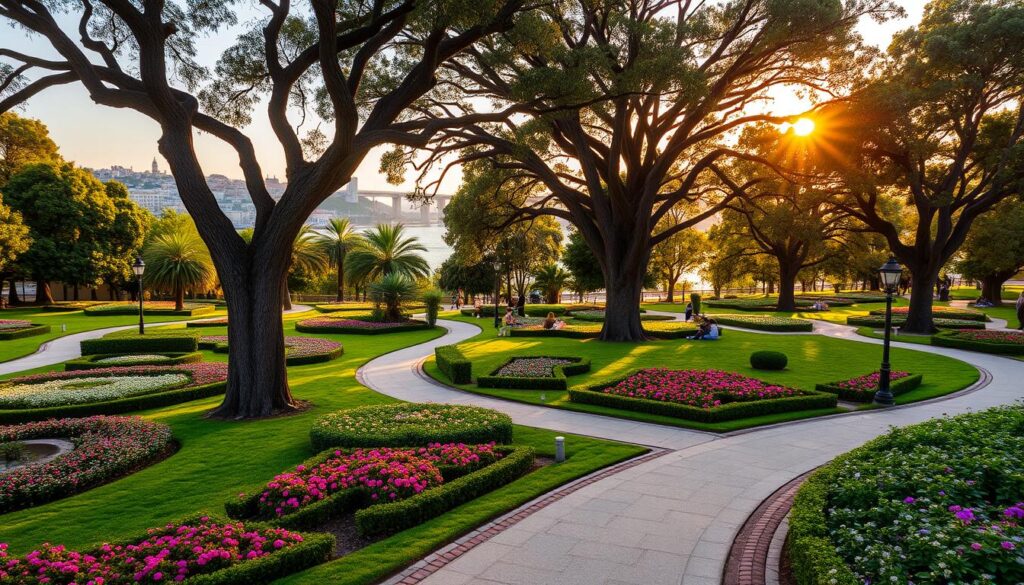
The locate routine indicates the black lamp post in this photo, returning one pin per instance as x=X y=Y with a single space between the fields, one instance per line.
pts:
x=497 y=291
x=138 y=268
x=890 y=276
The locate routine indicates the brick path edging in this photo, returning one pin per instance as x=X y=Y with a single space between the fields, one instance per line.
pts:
x=436 y=560
x=748 y=557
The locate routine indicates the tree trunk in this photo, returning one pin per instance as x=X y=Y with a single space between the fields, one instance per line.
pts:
x=12 y=295
x=74 y=294
x=920 y=318
x=622 y=310
x=341 y=280
x=179 y=299
x=43 y=294
x=670 y=284
x=257 y=376
x=787 y=286
x=992 y=287
x=93 y=296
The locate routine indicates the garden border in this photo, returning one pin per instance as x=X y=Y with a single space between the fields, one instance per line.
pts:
x=133 y=309
x=89 y=362
x=500 y=432
x=410 y=325
x=897 y=387
x=948 y=339
x=736 y=320
x=318 y=358
x=31 y=331
x=557 y=381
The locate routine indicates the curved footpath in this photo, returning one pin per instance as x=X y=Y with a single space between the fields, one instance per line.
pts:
x=68 y=347
x=670 y=520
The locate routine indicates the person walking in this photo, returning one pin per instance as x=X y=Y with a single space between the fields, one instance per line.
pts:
x=689 y=311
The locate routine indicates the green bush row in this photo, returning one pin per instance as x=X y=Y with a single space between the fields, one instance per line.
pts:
x=556 y=382
x=782 y=324
x=380 y=426
x=897 y=387
x=118 y=406
x=203 y=324
x=941 y=323
x=812 y=400
x=943 y=313
x=148 y=343
x=111 y=309
x=570 y=332
x=90 y=362
x=950 y=339
x=388 y=518
x=412 y=325
x=289 y=360
x=814 y=558
x=32 y=331
x=454 y=364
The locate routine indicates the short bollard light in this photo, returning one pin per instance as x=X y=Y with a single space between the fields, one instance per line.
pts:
x=559 y=449
x=63 y=327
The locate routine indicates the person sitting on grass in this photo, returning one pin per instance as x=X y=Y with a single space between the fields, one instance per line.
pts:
x=508 y=323
x=706 y=328
x=982 y=302
x=552 y=322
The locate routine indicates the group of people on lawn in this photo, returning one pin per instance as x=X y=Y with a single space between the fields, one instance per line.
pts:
x=707 y=328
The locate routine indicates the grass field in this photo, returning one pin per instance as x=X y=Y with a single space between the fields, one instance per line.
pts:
x=812 y=360
x=217 y=458
x=75 y=322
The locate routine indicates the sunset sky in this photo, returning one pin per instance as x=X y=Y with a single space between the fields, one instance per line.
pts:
x=96 y=136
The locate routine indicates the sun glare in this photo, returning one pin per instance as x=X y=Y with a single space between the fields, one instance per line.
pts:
x=803 y=127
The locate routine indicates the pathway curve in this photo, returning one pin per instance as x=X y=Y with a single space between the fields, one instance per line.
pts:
x=68 y=347
x=670 y=520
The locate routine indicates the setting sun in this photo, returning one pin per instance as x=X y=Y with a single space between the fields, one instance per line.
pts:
x=803 y=127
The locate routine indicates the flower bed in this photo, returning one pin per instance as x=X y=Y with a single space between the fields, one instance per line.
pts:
x=897 y=321
x=764 y=322
x=863 y=388
x=933 y=503
x=358 y=325
x=200 y=550
x=410 y=425
x=66 y=306
x=754 y=304
x=702 y=395
x=150 y=308
x=298 y=350
x=107 y=390
x=571 y=330
x=390 y=489
x=362 y=307
x=597 y=315
x=535 y=373
x=17 y=329
x=939 y=311
x=104 y=360
x=219 y=322
x=1001 y=342
x=106 y=447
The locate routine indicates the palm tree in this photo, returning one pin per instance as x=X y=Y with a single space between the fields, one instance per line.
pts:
x=551 y=279
x=386 y=250
x=339 y=240
x=178 y=260
x=390 y=290
x=308 y=255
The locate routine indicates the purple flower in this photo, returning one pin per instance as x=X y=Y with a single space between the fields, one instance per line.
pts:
x=975 y=546
x=909 y=500
x=1014 y=512
x=966 y=515
x=1006 y=544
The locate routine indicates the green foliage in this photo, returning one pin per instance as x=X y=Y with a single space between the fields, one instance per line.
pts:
x=14 y=239
x=764 y=322
x=551 y=280
x=150 y=308
x=768 y=360
x=557 y=381
x=178 y=261
x=135 y=343
x=583 y=267
x=410 y=425
x=386 y=250
x=89 y=362
x=695 y=303
x=953 y=340
x=390 y=290
x=318 y=326
x=338 y=239
x=473 y=279
x=454 y=364
x=941 y=323
x=26 y=332
x=995 y=244
x=23 y=141
x=433 y=299
x=897 y=387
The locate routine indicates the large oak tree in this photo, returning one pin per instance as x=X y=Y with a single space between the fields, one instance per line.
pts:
x=359 y=65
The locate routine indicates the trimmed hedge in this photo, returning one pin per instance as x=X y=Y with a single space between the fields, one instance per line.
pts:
x=489 y=425
x=118 y=406
x=190 y=310
x=180 y=342
x=32 y=331
x=764 y=322
x=211 y=323
x=898 y=321
x=556 y=382
x=362 y=307
x=814 y=558
x=569 y=331
x=485 y=311
x=66 y=306
x=951 y=339
x=390 y=517
x=811 y=400
x=410 y=325
x=941 y=312
x=768 y=360
x=588 y=316
x=218 y=346
x=897 y=387
x=454 y=364
x=89 y=362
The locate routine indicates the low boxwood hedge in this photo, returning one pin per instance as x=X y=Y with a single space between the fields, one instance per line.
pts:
x=89 y=362
x=219 y=344
x=179 y=341
x=940 y=322
x=954 y=340
x=897 y=387
x=811 y=400
x=764 y=322
x=454 y=364
x=32 y=331
x=190 y=310
x=66 y=306
x=768 y=360
x=588 y=331
x=557 y=381
x=363 y=307
x=940 y=312
x=222 y=322
x=410 y=424
x=308 y=326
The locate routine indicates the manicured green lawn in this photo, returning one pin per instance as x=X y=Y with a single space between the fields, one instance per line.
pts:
x=218 y=458
x=76 y=322
x=812 y=360
x=833 y=315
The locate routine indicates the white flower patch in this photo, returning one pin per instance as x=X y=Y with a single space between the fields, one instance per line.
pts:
x=84 y=389
x=133 y=359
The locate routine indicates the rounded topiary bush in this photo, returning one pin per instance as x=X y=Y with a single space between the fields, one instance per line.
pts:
x=410 y=425
x=768 y=360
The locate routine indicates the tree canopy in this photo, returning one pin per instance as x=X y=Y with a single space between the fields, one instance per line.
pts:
x=23 y=141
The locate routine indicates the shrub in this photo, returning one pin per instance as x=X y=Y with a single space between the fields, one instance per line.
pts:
x=940 y=322
x=700 y=395
x=863 y=388
x=764 y=322
x=17 y=329
x=358 y=326
x=361 y=307
x=150 y=308
x=179 y=342
x=671 y=329
x=222 y=322
x=936 y=502
x=542 y=310
x=535 y=373
x=67 y=306
x=485 y=311
x=939 y=311
x=695 y=303
x=768 y=360
x=103 y=360
x=49 y=394
x=106 y=447
x=454 y=364
x=410 y=425
x=598 y=316
x=432 y=299
x=298 y=350
x=1000 y=342
x=571 y=331
x=200 y=551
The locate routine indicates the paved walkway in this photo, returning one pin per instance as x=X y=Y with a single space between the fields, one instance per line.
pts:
x=68 y=347
x=670 y=520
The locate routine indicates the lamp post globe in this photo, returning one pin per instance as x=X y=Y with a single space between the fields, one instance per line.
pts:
x=139 y=267
x=889 y=274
